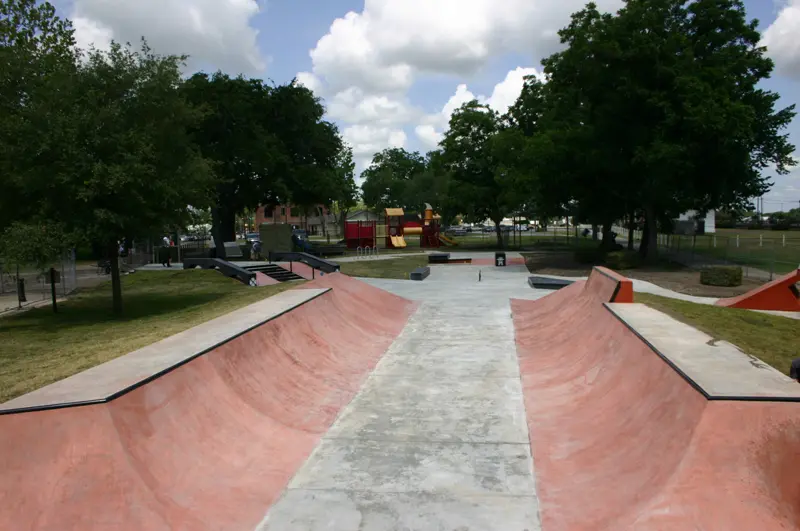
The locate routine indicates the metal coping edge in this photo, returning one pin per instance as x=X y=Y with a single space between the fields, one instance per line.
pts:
x=690 y=381
x=159 y=374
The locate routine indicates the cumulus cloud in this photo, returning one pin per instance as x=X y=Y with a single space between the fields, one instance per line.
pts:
x=366 y=63
x=504 y=94
x=366 y=140
x=214 y=33
x=782 y=42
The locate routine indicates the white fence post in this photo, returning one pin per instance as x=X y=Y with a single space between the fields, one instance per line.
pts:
x=737 y=241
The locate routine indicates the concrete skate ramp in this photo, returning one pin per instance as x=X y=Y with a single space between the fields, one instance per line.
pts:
x=621 y=441
x=209 y=445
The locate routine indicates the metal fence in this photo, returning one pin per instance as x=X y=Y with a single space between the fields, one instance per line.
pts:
x=761 y=255
x=36 y=284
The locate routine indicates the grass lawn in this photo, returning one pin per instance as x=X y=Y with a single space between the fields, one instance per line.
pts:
x=770 y=338
x=390 y=268
x=39 y=347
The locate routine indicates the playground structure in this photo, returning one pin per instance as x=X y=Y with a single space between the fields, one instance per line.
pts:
x=399 y=225
x=361 y=235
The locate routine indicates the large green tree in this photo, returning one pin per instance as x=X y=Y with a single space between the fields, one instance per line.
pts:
x=387 y=181
x=663 y=100
x=37 y=63
x=470 y=155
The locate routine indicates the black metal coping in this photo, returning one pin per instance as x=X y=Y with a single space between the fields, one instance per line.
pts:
x=697 y=387
x=548 y=283
x=160 y=373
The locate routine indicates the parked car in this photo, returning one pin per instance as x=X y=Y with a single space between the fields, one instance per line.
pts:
x=252 y=237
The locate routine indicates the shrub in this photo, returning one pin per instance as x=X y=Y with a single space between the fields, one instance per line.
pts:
x=727 y=276
x=623 y=260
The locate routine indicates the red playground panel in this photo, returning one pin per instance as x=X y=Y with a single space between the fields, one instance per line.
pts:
x=780 y=295
x=360 y=234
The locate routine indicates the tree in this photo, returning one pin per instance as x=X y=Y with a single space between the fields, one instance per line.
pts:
x=467 y=152
x=387 y=180
x=235 y=136
x=127 y=167
x=37 y=57
x=668 y=107
x=346 y=195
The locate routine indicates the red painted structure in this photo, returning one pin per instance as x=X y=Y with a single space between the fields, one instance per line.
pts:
x=360 y=234
x=781 y=294
x=621 y=441
x=210 y=445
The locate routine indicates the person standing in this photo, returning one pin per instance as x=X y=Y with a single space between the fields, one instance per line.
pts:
x=166 y=251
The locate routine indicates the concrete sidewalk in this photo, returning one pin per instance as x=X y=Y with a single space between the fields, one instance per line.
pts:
x=437 y=438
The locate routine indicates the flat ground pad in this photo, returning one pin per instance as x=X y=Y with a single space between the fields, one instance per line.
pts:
x=436 y=438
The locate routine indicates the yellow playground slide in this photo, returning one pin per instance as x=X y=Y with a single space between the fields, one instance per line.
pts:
x=447 y=240
x=398 y=241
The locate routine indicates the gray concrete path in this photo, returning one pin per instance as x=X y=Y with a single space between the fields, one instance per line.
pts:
x=437 y=438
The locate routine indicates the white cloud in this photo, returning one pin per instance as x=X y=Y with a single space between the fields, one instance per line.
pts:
x=354 y=106
x=366 y=140
x=366 y=63
x=781 y=39
x=214 y=33
x=505 y=93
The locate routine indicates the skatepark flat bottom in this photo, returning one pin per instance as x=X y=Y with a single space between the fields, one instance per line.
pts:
x=436 y=438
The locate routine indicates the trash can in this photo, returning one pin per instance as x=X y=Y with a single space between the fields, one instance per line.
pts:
x=500 y=259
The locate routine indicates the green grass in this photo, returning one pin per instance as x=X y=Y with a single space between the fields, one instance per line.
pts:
x=391 y=268
x=39 y=347
x=770 y=338
x=769 y=253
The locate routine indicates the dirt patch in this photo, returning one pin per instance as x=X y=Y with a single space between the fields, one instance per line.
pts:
x=674 y=277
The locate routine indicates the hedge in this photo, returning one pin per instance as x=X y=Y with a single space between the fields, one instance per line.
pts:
x=727 y=276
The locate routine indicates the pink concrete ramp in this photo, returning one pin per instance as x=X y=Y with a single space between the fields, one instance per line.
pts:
x=622 y=441
x=209 y=445
x=780 y=294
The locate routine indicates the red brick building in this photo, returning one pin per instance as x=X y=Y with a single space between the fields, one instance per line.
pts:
x=293 y=215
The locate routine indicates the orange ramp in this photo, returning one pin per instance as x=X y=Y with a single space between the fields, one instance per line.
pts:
x=780 y=294
x=210 y=444
x=621 y=440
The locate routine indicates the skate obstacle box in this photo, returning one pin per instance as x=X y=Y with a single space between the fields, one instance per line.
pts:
x=420 y=273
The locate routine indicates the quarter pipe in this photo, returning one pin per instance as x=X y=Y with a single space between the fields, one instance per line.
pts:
x=620 y=440
x=209 y=445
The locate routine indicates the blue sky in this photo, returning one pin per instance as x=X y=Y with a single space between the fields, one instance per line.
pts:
x=391 y=71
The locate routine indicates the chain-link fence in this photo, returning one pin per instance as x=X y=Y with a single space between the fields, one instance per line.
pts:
x=20 y=285
x=761 y=254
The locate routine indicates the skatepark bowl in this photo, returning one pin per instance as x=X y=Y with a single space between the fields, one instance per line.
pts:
x=463 y=402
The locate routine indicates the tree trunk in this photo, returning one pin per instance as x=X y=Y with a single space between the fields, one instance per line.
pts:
x=595 y=230
x=498 y=232
x=631 y=228
x=649 y=246
x=223 y=229
x=607 y=241
x=116 y=283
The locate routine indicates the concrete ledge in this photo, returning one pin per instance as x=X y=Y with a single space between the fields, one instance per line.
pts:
x=118 y=376
x=717 y=369
x=420 y=273
x=548 y=283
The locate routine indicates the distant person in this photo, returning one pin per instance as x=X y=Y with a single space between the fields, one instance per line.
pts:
x=794 y=370
x=166 y=252
x=256 y=249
